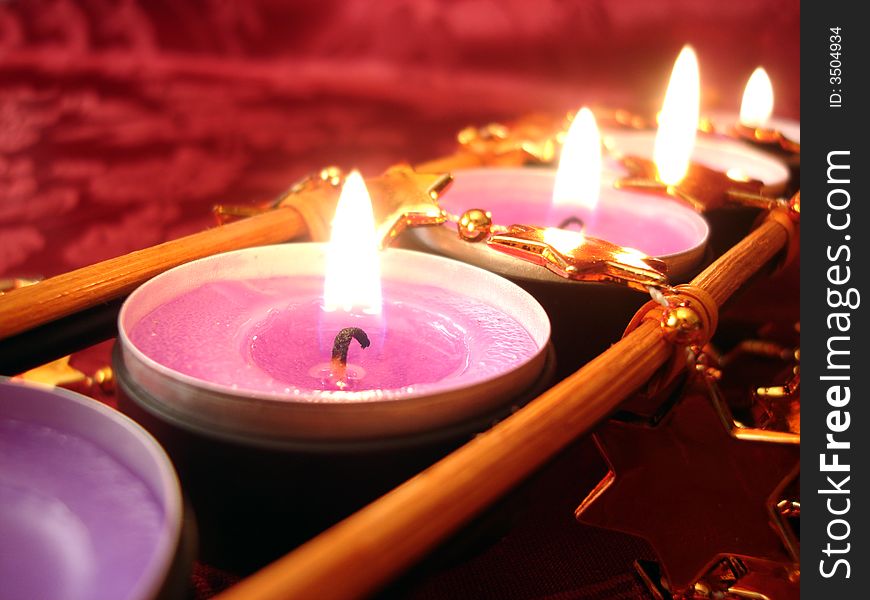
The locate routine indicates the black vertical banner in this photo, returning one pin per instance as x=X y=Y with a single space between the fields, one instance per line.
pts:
x=835 y=226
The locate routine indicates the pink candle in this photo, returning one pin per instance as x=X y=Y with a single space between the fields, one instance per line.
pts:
x=656 y=225
x=240 y=342
x=580 y=196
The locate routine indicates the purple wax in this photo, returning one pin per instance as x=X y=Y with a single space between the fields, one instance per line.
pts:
x=271 y=335
x=76 y=520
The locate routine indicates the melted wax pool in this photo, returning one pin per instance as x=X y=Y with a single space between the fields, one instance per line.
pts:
x=271 y=335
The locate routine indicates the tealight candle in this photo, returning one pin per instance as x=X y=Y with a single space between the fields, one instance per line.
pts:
x=451 y=342
x=321 y=375
x=656 y=225
x=578 y=196
x=709 y=172
x=737 y=160
x=678 y=123
x=756 y=110
x=574 y=198
x=90 y=506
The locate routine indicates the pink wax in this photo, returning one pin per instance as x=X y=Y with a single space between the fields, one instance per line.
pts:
x=271 y=335
x=653 y=224
x=237 y=344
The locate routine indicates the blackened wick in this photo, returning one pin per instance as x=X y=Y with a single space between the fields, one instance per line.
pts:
x=342 y=343
x=567 y=223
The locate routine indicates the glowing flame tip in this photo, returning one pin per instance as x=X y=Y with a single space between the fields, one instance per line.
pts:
x=678 y=120
x=578 y=178
x=757 y=104
x=353 y=280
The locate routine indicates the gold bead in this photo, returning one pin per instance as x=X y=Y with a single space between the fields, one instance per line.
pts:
x=475 y=224
x=105 y=378
x=794 y=206
x=682 y=325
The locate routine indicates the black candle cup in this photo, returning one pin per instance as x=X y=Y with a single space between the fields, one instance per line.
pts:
x=265 y=469
x=255 y=499
x=587 y=317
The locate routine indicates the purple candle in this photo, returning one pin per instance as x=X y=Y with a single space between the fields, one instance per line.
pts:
x=245 y=342
x=89 y=504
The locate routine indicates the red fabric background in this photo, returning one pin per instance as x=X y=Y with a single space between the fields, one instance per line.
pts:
x=122 y=122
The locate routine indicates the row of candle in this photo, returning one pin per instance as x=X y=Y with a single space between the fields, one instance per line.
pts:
x=342 y=343
x=224 y=333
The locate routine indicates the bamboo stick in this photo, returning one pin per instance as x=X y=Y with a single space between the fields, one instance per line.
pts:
x=89 y=287
x=65 y=294
x=366 y=550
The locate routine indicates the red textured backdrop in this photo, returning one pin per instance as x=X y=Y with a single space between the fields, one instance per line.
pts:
x=122 y=122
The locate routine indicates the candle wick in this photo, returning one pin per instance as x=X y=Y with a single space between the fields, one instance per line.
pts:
x=576 y=221
x=339 y=352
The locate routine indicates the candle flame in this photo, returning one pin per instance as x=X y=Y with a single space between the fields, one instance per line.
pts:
x=353 y=274
x=563 y=240
x=678 y=122
x=737 y=174
x=757 y=104
x=578 y=178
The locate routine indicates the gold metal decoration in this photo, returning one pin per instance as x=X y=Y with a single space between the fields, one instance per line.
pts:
x=702 y=188
x=328 y=177
x=731 y=578
x=56 y=373
x=714 y=487
x=772 y=357
x=765 y=138
x=590 y=260
x=474 y=225
x=60 y=373
x=682 y=325
x=533 y=138
x=401 y=198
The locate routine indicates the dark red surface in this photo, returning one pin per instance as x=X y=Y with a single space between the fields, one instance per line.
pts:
x=122 y=122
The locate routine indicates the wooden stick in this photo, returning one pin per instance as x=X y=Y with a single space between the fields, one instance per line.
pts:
x=366 y=550
x=60 y=296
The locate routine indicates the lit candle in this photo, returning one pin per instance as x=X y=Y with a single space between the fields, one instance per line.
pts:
x=262 y=323
x=755 y=120
x=580 y=198
x=349 y=382
x=90 y=506
x=579 y=195
x=681 y=109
